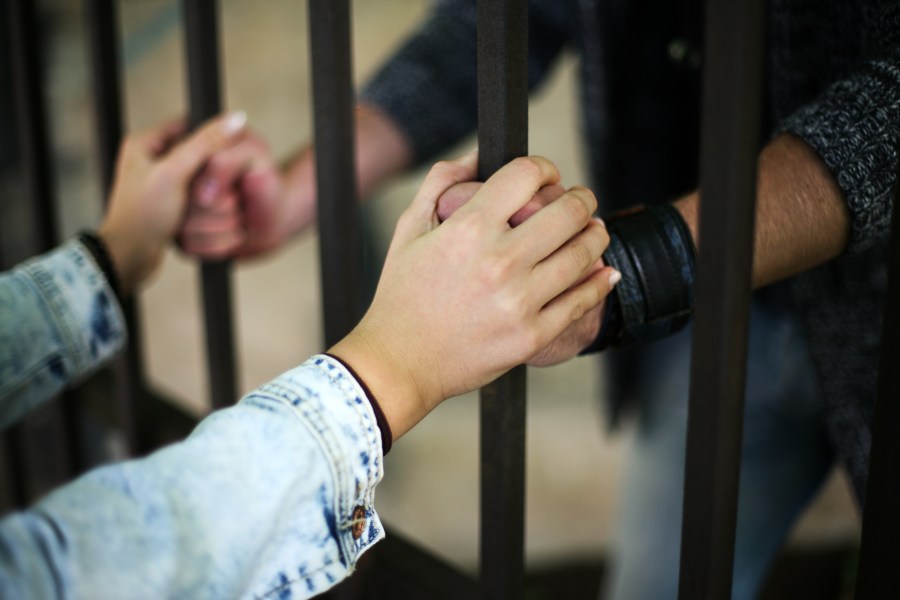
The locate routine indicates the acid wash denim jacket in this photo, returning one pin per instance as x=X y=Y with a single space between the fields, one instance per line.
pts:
x=272 y=497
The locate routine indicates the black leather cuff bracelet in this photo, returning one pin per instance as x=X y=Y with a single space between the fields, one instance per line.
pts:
x=100 y=253
x=654 y=251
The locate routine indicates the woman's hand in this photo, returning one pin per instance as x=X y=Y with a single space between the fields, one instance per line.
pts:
x=149 y=195
x=462 y=302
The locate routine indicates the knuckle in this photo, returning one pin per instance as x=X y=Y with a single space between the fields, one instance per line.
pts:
x=532 y=342
x=579 y=308
x=469 y=230
x=439 y=168
x=581 y=257
x=443 y=174
x=528 y=167
x=576 y=208
x=586 y=196
x=603 y=236
x=494 y=271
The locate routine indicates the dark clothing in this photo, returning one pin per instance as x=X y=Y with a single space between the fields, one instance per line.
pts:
x=833 y=79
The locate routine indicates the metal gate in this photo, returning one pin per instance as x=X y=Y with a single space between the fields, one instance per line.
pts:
x=732 y=100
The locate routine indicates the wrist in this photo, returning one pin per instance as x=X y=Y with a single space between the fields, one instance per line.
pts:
x=130 y=260
x=403 y=399
x=653 y=249
x=299 y=194
x=99 y=251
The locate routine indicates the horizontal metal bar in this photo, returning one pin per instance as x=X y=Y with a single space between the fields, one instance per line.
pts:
x=730 y=137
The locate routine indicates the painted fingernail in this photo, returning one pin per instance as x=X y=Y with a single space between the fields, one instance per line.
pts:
x=235 y=121
x=614 y=278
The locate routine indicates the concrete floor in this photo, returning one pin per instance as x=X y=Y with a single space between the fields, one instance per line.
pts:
x=430 y=492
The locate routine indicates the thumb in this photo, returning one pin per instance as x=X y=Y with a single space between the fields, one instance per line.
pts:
x=186 y=158
x=422 y=214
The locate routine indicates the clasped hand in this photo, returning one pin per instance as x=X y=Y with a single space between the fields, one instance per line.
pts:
x=463 y=301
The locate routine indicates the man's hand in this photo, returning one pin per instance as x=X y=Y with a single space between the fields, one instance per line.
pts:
x=150 y=192
x=243 y=205
x=240 y=204
x=462 y=302
x=578 y=334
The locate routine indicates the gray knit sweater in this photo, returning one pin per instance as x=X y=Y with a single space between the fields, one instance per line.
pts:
x=833 y=80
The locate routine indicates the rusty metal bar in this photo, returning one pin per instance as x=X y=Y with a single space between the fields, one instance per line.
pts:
x=502 y=135
x=101 y=20
x=340 y=228
x=201 y=31
x=877 y=576
x=730 y=137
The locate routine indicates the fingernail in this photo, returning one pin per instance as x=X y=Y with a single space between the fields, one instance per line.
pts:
x=614 y=278
x=601 y=221
x=235 y=121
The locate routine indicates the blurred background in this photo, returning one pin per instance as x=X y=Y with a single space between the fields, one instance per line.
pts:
x=431 y=491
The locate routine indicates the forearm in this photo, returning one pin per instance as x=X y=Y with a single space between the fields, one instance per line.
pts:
x=802 y=218
x=382 y=151
x=262 y=496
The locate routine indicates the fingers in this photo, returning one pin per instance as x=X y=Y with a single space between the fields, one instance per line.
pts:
x=421 y=216
x=185 y=159
x=575 y=303
x=155 y=141
x=553 y=225
x=544 y=196
x=571 y=262
x=451 y=200
x=213 y=232
x=510 y=188
x=455 y=197
x=225 y=169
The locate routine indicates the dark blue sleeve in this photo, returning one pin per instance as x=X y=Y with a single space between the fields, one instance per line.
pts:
x=428 y=88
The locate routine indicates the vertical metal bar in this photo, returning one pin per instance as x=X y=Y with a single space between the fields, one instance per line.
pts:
x=61 y=452
x=340 y=229
x=31 y=113
x=877 y=576
x=103 y=45
x=201 y=30
x=502 y=136
x=732 y=84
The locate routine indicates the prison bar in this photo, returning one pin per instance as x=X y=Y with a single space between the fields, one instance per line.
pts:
x=730 y=137
x=502 y=31
x=101 y=18
x=201 y=31
x=876 y=576
x=340 y=227
x=36 y=470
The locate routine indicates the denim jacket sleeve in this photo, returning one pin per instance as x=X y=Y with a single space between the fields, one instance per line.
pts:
x=272 y=497
x=59 y=321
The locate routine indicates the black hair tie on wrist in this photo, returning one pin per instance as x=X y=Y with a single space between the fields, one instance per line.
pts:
x=100 y=253
x=653 y=249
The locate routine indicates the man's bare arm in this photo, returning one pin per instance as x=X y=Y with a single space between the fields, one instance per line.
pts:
x=802 y=219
